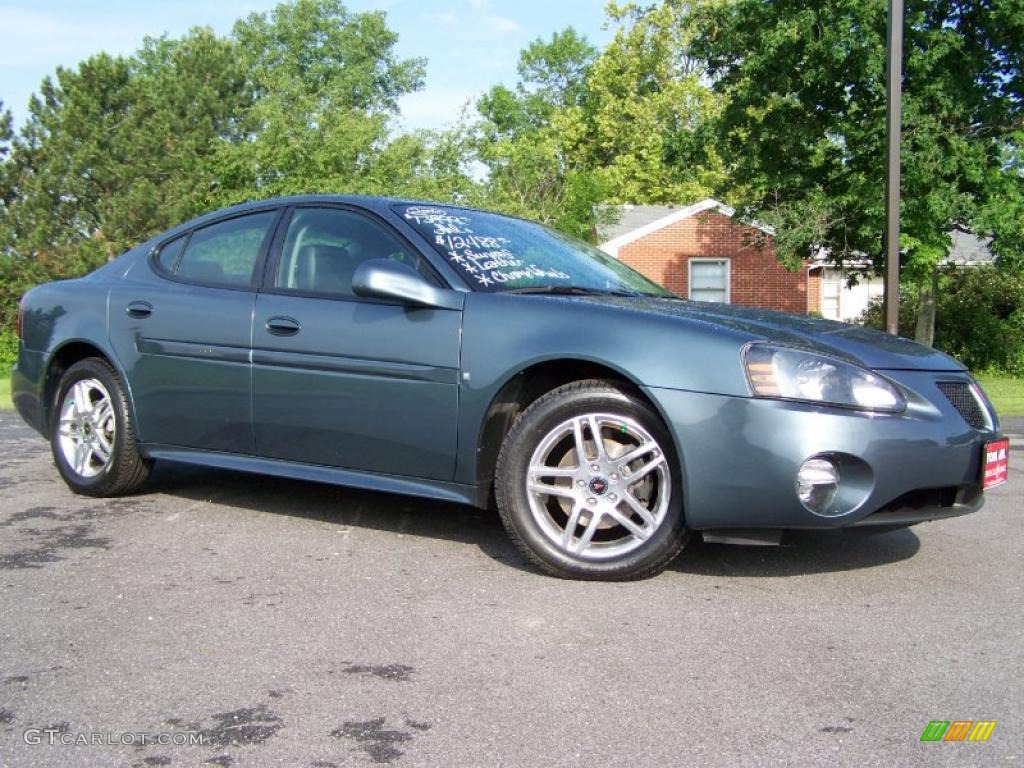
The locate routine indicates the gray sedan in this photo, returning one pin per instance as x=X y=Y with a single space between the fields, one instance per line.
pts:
x=457 y=354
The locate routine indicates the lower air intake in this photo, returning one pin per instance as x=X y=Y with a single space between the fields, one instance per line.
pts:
x=960 y=395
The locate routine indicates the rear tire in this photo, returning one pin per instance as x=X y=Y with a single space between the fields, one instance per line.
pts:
x=92 y=435
x=616 y=513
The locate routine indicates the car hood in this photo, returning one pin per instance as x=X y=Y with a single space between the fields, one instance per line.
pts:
x=856 y=343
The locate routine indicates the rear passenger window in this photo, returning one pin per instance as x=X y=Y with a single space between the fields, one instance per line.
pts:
x=226 y=253
x=168 y=254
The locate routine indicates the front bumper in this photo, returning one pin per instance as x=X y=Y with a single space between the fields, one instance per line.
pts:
x=739 y=458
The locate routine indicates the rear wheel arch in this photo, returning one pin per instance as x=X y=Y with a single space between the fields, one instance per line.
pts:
x=65 y=356
x=92 y=434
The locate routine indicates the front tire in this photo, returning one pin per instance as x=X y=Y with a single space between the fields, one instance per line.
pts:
x=92 y=435
x=588 y=485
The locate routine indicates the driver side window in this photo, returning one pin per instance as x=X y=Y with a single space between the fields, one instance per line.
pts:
x=324 y=246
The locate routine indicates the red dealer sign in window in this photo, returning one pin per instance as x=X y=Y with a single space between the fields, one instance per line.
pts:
x=996 y=464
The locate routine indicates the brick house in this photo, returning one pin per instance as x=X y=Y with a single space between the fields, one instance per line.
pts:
x=700 y=253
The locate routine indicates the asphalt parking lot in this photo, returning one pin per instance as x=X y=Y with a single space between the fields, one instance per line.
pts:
x=293 y=624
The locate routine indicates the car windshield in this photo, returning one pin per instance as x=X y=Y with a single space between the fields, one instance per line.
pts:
x=498 y=253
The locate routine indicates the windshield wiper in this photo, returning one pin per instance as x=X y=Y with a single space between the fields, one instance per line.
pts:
x=572 y=290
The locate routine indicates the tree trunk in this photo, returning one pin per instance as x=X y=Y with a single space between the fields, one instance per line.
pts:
x=924 y=333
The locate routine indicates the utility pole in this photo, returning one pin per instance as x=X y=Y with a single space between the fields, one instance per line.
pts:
x=893 y=116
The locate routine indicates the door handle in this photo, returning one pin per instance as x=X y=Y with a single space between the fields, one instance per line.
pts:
x=139 y=309
x=281 y=325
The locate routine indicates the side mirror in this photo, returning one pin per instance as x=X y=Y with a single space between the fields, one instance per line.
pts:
x=388 y=279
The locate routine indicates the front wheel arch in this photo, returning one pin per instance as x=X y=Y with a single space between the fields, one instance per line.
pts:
x=586 y=522
x=522 y=388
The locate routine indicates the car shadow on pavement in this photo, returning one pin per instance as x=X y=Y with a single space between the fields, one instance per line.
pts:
x=802 y=552
x=371 y=510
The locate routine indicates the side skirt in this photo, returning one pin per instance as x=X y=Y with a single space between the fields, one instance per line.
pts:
x=408 y=486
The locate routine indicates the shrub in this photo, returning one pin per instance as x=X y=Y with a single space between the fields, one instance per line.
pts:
x=979 y=317
x=8 y=350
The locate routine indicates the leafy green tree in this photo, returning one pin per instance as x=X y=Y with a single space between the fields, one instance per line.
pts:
x=119 y=148
x=6 y=134
x=555 y=72
x=426 y=165
x=189 y=95
x=66 y=162
x=6 y=233
x=6 y=131
x=521 y=138
x=644 y=125
x=631 y=123
x=803 y=123
x=1002 y=211
x=112 y=151
x=326 y=82
x=552 y=76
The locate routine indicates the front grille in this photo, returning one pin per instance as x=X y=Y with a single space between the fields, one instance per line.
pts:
x=960 y=395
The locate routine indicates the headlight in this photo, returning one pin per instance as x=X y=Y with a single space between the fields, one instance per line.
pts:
x=793 y=374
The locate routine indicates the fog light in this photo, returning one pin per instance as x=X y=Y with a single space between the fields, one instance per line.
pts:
x=817 y=483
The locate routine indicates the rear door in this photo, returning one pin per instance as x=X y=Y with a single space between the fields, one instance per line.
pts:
x=345 y=381
x=181 y=326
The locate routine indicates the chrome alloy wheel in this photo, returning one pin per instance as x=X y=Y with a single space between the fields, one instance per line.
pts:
x=599 y=486
x=87 y=427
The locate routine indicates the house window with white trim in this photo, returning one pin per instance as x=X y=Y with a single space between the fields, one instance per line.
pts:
x=709 y=280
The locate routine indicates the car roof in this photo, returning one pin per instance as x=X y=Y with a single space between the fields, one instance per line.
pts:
x=375 y=203
x=370 y=202
x=367 y=201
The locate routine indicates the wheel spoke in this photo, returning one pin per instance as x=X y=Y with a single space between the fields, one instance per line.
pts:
x=580 y=442
x=646 y=469
x=636 y=453
x=86 y=427
x=629 y=525
x=588 y=535
x=544 y=471
x=80 y=393
x=102 y=448
x=640 y=509
x=595 y=432
x=575 y=507
x=552 y=490
x=83 y=453
x=570 y=528
x=102 y=413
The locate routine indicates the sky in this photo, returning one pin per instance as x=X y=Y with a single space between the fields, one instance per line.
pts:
x=469 y=44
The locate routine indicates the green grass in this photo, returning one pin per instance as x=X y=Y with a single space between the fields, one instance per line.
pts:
x=1006 y=394
x=5 y=392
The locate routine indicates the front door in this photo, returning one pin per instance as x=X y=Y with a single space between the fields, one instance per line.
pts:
x=345 y=381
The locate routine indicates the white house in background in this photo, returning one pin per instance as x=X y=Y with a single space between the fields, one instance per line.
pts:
x=840 y=301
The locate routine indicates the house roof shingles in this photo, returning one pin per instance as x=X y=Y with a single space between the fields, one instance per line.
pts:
x=633 y=217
